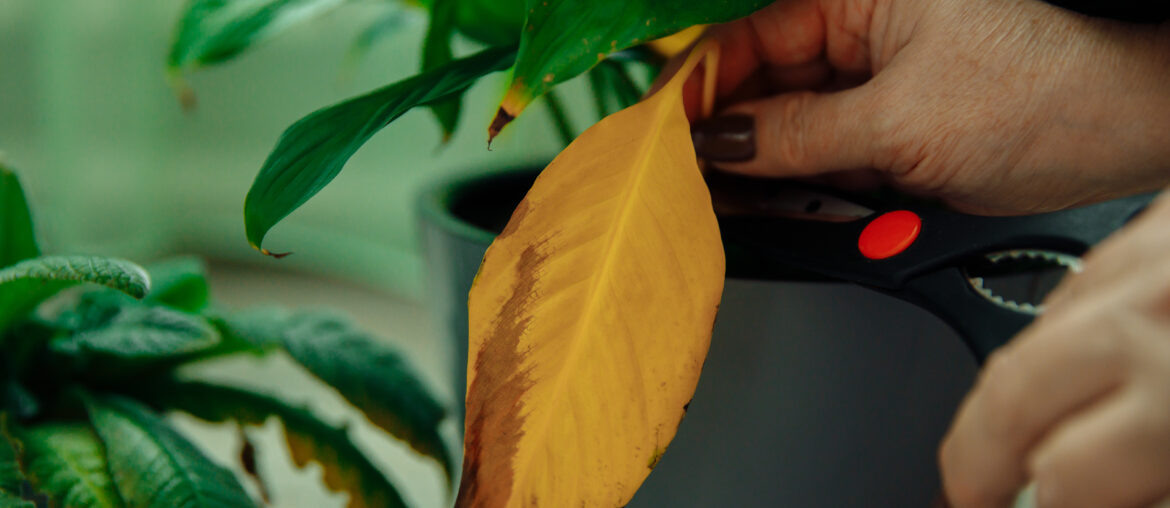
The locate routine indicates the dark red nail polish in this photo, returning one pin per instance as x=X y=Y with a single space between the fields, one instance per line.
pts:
x=730 y=138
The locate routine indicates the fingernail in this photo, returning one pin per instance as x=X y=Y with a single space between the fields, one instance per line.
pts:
x=730 y=138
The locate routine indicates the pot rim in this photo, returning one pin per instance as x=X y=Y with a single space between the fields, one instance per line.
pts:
x=436 y=205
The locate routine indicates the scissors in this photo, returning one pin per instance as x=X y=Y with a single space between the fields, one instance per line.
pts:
x=984 y=276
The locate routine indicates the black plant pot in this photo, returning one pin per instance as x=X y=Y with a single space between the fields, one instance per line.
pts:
x=814 y=394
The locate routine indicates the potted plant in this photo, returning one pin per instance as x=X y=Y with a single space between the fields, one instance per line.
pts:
x=96 y=349
x=796 y=406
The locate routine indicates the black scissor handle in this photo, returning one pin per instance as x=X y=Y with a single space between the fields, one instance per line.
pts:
x=929 y=271
x=946 y=238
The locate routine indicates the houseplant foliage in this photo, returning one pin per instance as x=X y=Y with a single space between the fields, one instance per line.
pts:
x=91 y=357
x=592 y=311
x=543 y=42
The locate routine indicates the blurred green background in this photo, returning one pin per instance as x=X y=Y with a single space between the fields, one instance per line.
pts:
x=114 y=166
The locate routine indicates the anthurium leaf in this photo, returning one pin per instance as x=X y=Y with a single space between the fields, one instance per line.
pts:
x=180 y=283
x=153 y=466
x=492 y=22
x=367 y=372
x=29 y=282
x=17 y=241
x=309 y=439
x=313 y=151
x=563 y=38
x=436 y=52
x=213 y=31
x=591 y=316
x=144 y=333
x=68 y=462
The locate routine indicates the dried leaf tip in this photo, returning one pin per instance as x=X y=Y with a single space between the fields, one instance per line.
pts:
x=503 y=117
x=276 y=255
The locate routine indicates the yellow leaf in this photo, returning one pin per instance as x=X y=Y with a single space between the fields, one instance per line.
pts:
x=591 y=315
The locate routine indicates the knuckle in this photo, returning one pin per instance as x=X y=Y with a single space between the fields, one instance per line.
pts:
x=791 y=130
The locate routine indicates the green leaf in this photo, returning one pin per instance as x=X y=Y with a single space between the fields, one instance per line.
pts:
x=143 y=333
x=313 y=151
x=563 y=38
x=492 y=22
x=346 y=468
x=365 y=371
x=153 y=466
x=26 y=284
x=17 y=241
x=11 y=475
x=68 y=462
x=180 y=283
x=436 y=52
x=214 y=31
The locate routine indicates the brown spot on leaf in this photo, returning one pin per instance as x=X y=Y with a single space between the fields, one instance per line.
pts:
x=494 y=422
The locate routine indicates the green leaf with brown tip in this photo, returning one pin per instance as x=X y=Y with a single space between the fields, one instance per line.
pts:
x=366 y=371
x=309 y=439
x=313 y=151
x=17 y=240
x=564 y=38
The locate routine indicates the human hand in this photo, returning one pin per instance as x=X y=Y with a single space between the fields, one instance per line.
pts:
x=997 y=106
x=1079 y=403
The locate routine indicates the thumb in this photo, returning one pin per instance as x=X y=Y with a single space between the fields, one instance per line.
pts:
x=792 y=134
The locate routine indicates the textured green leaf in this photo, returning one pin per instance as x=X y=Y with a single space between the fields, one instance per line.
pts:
x=346 y=468
x=564 y=38
x=144 y=333
x=68 y=462
x=154 y=467
x=11 y=476
x=29 y=282
x=17 y=241
x=368 y=373
x=313 y=151
x=492 y=22
x=180 y=283
x=213 y=31
x=436 y=52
